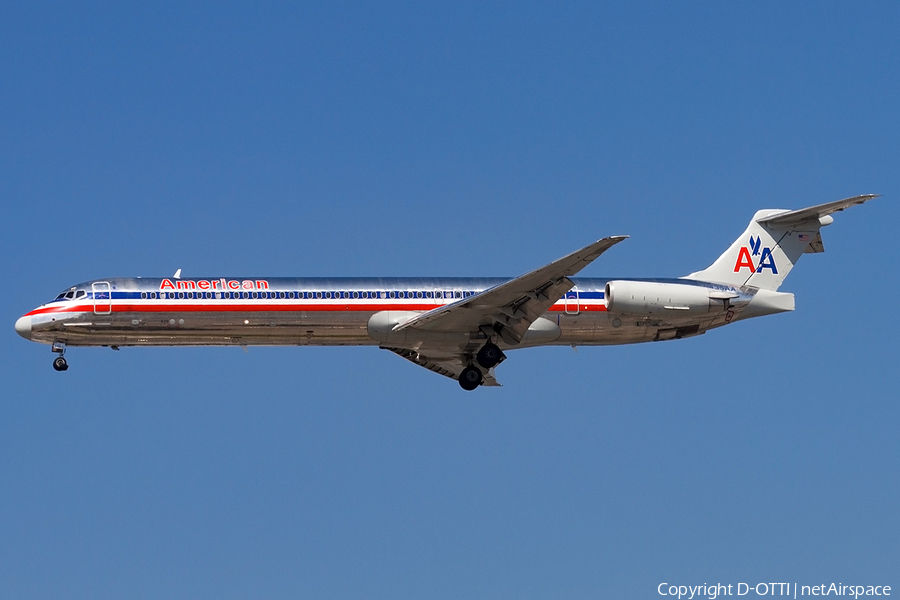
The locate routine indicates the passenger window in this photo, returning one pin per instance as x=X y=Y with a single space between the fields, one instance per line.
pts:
x=143 y=295
x=356 y=294
x=418 y=294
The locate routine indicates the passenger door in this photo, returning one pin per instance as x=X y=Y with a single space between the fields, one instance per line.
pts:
x=572 y=307
x=102 y=297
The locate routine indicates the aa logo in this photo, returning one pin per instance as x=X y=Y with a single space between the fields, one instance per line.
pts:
x=745 y=257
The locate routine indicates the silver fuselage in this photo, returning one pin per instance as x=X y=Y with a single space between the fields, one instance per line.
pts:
x=321 y=311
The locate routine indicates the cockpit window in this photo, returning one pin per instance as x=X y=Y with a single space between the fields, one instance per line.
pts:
x=69 y=295
x=80 y=294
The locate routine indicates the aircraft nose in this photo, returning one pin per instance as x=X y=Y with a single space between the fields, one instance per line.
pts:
x=23 y=327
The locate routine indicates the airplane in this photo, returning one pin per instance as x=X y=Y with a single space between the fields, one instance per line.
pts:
x=461 y=328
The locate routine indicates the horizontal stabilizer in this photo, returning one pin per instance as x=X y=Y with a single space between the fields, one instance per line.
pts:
x=794 y=217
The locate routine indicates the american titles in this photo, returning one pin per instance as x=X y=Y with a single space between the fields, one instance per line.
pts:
x=214 y=284
x=745 y=257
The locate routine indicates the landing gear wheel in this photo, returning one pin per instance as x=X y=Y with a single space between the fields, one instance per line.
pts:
x=60 y=364
x=489 y=355
x=470 y=378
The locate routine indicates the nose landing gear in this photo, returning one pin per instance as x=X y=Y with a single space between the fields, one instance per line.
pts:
x=59 y=363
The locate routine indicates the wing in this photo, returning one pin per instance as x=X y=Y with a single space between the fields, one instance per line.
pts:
x=450 y=366
x=511 y=307
x=814 y=212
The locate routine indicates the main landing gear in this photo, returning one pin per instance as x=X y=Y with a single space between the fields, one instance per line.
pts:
x=470 y=378
x=59 y=363
x=488 y=357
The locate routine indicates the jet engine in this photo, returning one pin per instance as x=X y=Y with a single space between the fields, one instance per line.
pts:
x=648 y=298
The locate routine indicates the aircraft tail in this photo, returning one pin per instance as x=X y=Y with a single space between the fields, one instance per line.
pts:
x=772 y=244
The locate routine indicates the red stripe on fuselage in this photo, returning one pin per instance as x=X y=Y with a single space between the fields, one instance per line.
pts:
x=233 y=307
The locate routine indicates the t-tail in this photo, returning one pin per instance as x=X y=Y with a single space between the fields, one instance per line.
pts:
x=772 y=244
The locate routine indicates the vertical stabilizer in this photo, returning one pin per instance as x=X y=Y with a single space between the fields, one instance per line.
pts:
x=772 y=244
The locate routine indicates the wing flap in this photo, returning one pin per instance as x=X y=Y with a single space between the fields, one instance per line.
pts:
x=447 y=366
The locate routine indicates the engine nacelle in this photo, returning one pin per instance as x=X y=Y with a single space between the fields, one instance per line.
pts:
x=648 y=298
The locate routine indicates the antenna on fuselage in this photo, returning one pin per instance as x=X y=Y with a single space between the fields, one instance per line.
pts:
x=177 y=274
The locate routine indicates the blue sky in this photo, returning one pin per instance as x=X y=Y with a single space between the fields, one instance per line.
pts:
x=471 y=139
